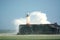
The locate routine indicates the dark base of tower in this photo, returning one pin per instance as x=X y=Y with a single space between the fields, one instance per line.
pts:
x=39 y=29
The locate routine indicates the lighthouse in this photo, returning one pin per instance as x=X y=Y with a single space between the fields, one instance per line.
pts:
x=28 y=19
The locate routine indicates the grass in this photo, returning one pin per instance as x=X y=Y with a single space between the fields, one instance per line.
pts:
x=29 y=37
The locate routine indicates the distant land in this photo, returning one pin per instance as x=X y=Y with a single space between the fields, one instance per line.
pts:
x=6 y=31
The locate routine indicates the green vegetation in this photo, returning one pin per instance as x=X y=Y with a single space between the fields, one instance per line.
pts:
x=29 y=37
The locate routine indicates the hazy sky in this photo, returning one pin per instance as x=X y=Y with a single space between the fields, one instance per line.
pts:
x=14 y=9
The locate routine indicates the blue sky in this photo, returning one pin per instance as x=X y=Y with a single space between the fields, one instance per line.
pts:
x=14 y=9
